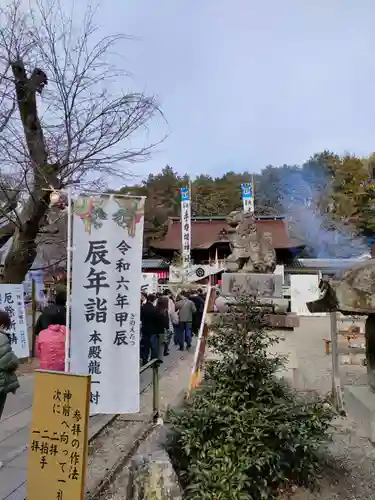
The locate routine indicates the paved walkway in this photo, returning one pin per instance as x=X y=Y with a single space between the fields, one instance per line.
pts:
x=14 y=432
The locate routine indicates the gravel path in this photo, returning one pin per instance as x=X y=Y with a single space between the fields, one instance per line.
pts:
x=352 y=476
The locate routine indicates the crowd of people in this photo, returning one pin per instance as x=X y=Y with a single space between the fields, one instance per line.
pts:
x=164 y=318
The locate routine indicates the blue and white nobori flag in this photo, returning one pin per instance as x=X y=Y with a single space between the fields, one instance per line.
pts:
x=247 y=190
x=247 y=197
x=185 y=226
x=185 y=194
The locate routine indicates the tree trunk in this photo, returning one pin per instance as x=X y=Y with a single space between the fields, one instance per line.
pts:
x=23 y=249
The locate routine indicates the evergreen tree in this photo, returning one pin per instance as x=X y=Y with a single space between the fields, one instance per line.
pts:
x=245 y=434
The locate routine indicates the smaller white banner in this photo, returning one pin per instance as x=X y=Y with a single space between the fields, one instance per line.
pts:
x=303 y=288
x=149 y=283
x=11 y=301
x=248 y=205
x=247 y=197
x=38 y=277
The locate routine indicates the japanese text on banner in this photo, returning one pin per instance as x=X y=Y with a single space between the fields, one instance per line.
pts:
x=11 y=301
x=186 y=225
x=247 y=197
x=108 y=231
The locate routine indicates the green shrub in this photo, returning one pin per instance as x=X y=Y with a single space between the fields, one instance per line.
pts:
x=245 y=434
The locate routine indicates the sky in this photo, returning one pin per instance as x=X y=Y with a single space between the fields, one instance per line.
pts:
x=247 y=83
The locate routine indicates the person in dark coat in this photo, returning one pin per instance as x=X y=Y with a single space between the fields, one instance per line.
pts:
x=153 y=325
x=54 y=314
x=197 y=316
x=161 y=338
x=147 y=316
x=8 y=362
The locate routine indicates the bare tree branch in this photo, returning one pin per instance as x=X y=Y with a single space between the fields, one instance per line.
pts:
x=64 y=118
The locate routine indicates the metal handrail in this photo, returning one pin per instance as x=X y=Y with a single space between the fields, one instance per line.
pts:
x=154 y=365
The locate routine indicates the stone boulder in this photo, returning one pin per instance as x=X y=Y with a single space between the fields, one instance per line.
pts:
x=152 y=477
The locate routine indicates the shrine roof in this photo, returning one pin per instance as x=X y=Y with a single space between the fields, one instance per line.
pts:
x=206 y=232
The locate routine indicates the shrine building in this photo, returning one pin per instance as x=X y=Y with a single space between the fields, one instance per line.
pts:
x=210 y=241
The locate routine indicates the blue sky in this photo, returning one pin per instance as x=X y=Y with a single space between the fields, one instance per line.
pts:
x=246 y=83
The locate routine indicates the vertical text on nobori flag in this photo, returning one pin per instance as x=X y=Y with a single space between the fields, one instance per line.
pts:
x=186 y=225
x=107 y=260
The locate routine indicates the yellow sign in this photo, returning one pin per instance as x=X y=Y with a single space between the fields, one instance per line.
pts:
x=59 y=437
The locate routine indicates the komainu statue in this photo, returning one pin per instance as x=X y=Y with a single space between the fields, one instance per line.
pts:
x=251 y=251
x=352 y=292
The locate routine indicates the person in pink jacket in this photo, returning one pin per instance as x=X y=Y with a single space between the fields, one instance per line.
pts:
x=50 y=348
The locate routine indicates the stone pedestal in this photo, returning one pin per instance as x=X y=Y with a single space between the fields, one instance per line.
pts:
x=152 y=477
x=267 y=289
x=256 y=284
x=360 y=405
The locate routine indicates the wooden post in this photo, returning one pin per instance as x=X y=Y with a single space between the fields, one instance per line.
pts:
x=336 y=382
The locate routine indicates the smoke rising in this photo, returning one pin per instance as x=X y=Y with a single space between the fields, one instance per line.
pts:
x=300 y=194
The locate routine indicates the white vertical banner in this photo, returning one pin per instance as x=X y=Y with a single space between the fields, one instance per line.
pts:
x=11 y=301
x=303 y=288
x=186 y=226
x=38 y=277
x=247 y=197
x=105 y=307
